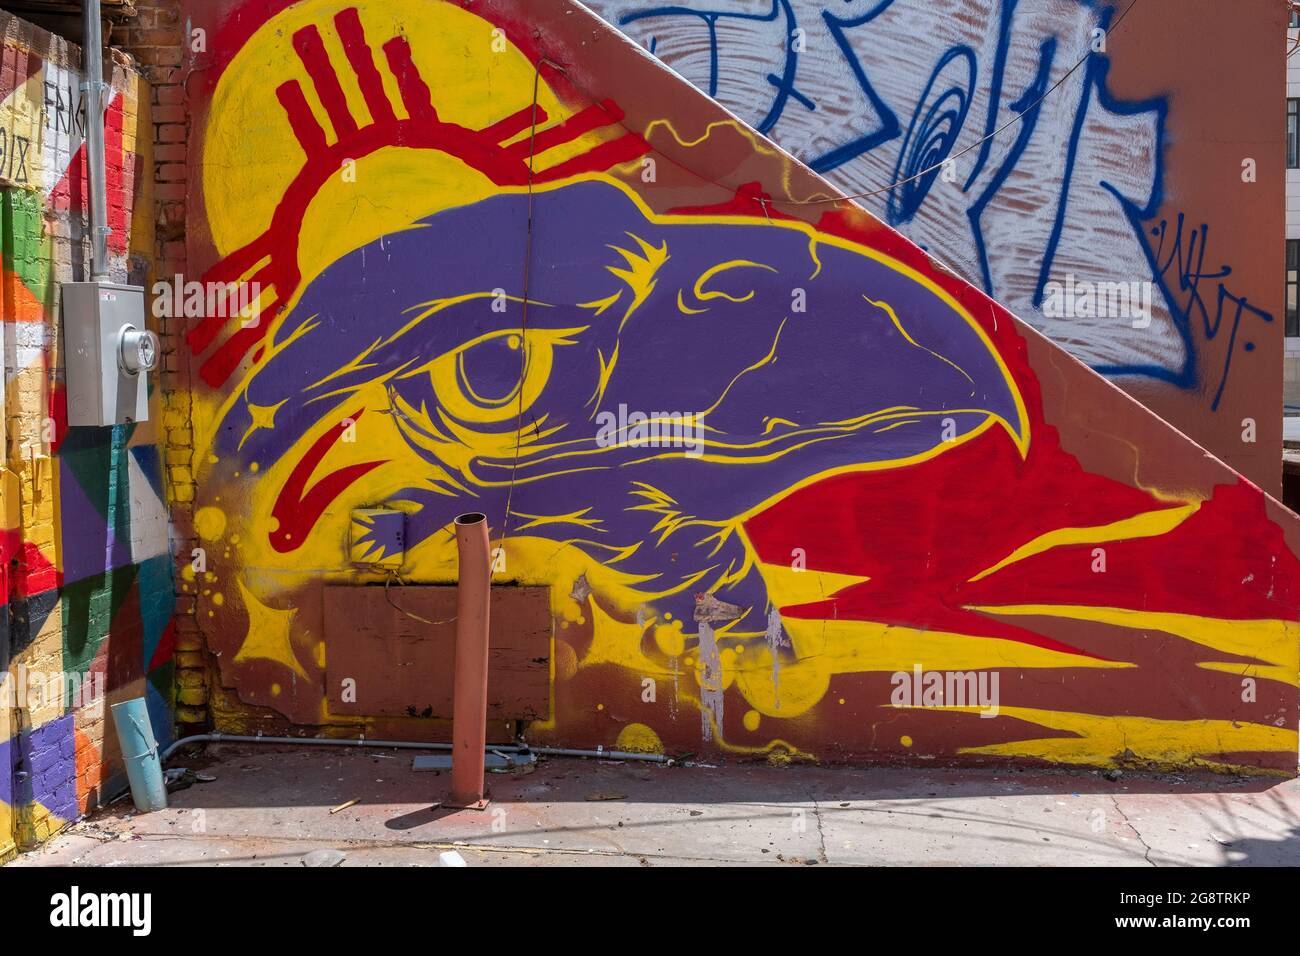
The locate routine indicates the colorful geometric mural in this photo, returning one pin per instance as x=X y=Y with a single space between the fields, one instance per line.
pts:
x=86 y=570
x=772 y=470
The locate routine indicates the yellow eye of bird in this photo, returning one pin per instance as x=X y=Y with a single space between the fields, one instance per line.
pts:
x=480 y=382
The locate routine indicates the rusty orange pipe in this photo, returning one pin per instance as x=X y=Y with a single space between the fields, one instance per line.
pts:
x=469 y=700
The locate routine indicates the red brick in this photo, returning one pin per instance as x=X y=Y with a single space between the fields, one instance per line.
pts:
x=166 y=14
x=159 y=55
x=155 y=37
x=171 y=153
x=169 y=192
x=171 y=173
x=146 y=17
x=170 y=114
x=169 y=95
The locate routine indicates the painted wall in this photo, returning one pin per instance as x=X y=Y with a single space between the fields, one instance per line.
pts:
x=87 y=578
x=1126 y=166
x=880 y=478
x=1291 y=361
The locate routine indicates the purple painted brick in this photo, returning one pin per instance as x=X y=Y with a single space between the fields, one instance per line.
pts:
x=7 y=771
x=50 y=777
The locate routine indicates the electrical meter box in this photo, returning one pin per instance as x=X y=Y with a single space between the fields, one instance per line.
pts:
x=108 y=353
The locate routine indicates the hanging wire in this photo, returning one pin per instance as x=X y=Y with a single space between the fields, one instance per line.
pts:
x=394 y=576
x=527 y=281
x=523 y=351
x=993 y=134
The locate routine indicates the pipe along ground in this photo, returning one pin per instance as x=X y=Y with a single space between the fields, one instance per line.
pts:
x=218 y=738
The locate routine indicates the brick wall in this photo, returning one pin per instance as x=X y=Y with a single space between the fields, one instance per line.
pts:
x=86 y=570
x=156 y=37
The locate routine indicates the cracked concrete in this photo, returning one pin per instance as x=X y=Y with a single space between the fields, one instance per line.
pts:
x=270 y=806
x=1146 y=855
x=821 y=832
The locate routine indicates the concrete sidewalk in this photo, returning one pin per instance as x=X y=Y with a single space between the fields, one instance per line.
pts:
x=271 y=807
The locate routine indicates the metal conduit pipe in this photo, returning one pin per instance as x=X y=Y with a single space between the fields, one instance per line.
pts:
x=606 y=754
x=470 y=692
x=93 y=91
x=218 y=738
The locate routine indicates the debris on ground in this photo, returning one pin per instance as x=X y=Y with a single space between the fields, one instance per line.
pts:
x=182 y=778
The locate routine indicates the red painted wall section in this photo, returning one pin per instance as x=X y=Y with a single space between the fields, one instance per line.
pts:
x=796 y=490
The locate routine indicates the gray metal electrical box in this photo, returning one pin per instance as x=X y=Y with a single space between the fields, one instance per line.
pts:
x=108 y=353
